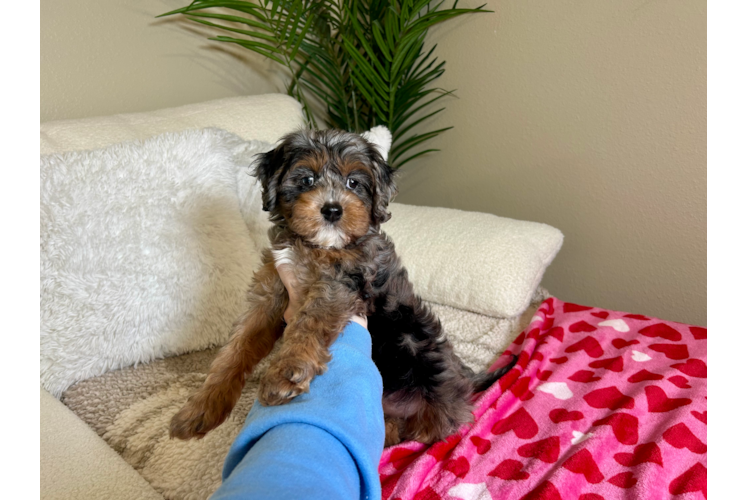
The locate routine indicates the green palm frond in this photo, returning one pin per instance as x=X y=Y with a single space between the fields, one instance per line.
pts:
x=365 y=61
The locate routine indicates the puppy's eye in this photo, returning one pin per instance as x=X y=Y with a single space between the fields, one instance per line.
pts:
x=351 y=183
x=308 y=181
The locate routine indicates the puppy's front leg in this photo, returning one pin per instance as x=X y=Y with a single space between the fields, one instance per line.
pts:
x=252 y=339
x=304 y=353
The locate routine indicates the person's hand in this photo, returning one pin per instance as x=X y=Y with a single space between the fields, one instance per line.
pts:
x=287 y=276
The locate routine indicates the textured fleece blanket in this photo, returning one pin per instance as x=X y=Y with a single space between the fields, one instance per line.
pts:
x=601 y=405
x=131 y=408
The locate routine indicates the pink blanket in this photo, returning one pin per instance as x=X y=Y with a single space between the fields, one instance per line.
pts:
x=601 y=405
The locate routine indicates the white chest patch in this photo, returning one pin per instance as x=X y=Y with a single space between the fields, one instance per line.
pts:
x=283 y=256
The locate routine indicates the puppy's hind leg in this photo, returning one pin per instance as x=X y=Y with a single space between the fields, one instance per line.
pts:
x=392 y=426
x=253 y=338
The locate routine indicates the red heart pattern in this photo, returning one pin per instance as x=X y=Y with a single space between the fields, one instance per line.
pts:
x=643 y=453
x=547 y=308
x=581 y=326
x=427 y=493
x=523 y=425
x=681 y=436
x=509 y=470
x=570 y=307
x=672 y=351
x=624 y=480
x=482 y=446
x=621 y=343
x=612 y=364
x=584 y=376
x=545 y=375
x=691 y=481
x=458 y=466
x=698 y=332
x=636 y=316
x=590 y=345
x=545 y=491
x=692 y=367
x=402 y=457
x=559 y=415
x=546 y=450
x=625 y=427
x=582 y=463
x=679 y=381
x=658 y=402
x=700 y=415
x=643 y=375
x=661 y=330
x=442 y=448
x=520 y=388
x=557 y=333
x=610 y=398
x=579 y=435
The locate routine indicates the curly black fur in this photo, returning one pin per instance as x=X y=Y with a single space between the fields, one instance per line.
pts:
x=427 y=389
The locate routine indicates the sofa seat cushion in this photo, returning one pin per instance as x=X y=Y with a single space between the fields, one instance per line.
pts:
x=76 y=463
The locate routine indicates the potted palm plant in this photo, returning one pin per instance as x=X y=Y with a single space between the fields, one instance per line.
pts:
x=365 y=61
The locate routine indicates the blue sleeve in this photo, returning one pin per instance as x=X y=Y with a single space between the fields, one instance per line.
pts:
x=324 y=444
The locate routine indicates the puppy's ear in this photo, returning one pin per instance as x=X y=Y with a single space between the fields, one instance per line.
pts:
x=381 y=138
x=384 y=187
x=269 y=169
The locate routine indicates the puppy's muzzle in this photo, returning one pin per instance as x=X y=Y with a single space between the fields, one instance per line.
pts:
x=332 y=212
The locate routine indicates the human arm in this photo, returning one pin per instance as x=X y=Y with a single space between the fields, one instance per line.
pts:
x=324 y=444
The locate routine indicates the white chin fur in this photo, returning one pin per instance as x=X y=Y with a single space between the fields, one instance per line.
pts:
x=329 y=237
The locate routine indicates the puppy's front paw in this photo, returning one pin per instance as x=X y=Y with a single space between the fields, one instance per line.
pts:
x=285 y=380
x=200 y=415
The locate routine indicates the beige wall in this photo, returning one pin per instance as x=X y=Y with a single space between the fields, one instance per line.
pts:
x=589 y=116
x=100 y=57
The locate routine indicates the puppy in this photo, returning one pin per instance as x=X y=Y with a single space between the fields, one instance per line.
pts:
x=327 y=194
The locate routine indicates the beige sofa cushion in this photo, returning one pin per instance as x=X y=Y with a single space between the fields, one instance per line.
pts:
x=261 y=117
x=474 y=261
x=77 y=464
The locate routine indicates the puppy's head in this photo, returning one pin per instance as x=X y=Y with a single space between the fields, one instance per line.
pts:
x=330 y=187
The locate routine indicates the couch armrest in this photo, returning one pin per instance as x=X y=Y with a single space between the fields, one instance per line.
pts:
x=77 y=463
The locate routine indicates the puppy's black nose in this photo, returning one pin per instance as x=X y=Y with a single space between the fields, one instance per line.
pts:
x=332 y=211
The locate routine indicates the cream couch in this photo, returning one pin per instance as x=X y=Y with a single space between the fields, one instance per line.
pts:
x=77 y=463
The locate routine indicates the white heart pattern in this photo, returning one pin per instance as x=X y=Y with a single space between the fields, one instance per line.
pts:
x=639 y=356
x=579 y=437
x=616 y=324
x=536 y=318
x=559 y=390
x=468 y=491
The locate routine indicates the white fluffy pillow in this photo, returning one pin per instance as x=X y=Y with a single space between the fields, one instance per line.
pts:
x=470 y=260
x=144 y=251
